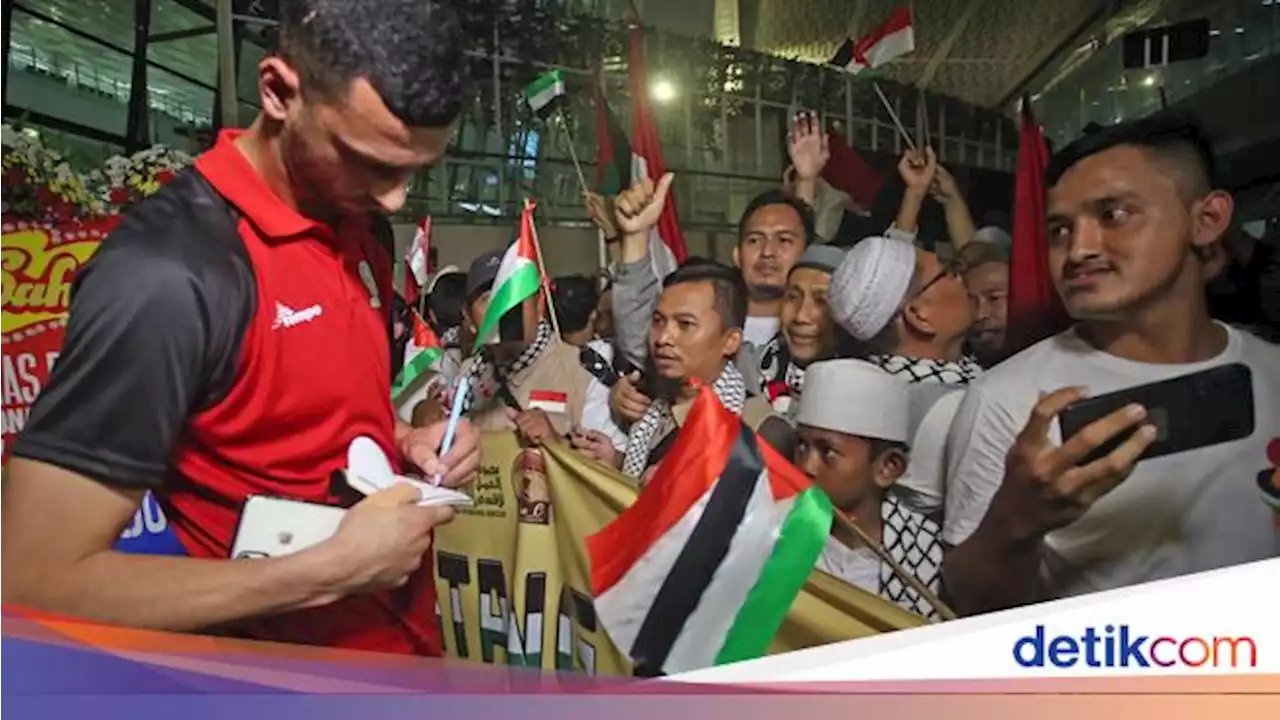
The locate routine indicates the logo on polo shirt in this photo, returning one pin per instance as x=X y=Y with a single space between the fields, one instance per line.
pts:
x=288 y=317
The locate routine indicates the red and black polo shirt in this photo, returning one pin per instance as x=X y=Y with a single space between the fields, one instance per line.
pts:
x=221 y=345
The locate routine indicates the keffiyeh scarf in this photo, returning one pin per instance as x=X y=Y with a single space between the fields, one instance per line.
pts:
x=929 y=370
x=781 y=379
x=729 y=387
x=915 y=541
x=485 y=379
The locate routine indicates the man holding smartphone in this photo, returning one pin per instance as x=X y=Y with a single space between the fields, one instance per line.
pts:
x=229 y=340
x=1132 y=211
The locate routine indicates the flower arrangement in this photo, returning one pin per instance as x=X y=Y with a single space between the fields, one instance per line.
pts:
x=123 y=181
x=39 y=184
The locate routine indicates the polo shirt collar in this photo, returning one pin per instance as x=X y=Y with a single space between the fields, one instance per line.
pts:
x=236 y=179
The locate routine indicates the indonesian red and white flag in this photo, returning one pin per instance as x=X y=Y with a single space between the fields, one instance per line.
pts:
x=417 y=266
x=894 y=38
x=667 y=246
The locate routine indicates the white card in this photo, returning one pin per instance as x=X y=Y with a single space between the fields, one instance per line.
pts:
x=369 y=471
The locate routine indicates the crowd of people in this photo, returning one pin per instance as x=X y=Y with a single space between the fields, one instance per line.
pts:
x=884 y=370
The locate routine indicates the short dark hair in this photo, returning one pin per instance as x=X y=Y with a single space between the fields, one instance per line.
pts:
x=1176 y=137
x=575 y=297
x=447 y=300
x=410 y=51
x=880 y=446
x=778 y=197
x=730 y=289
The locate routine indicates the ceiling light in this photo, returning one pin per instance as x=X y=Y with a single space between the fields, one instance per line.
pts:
x=663 y=90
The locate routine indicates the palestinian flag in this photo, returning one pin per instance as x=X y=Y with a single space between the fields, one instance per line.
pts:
x=613 y=154
x=544 y=91
x=703 y=567
x=519 y=277
x=422 y=354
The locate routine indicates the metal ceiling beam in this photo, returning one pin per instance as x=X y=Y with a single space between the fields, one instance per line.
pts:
x=182 y=34
x=1102 y=10
x=6 y=29
x=948 y=42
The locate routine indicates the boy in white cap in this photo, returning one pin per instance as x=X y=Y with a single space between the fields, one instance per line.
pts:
x=852 y=442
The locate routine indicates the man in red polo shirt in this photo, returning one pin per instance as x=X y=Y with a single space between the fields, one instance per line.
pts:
x=230 y=340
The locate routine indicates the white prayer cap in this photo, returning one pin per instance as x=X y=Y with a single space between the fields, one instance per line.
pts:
x=870 y=285
x=855 y=397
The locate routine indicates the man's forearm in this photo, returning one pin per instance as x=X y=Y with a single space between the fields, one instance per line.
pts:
x=176 y=593
x=989 y=572
x=635 y=292
x=909 y=210
x=959 y=223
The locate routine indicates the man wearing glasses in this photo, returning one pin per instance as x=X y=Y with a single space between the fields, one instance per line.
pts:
x=911 y=313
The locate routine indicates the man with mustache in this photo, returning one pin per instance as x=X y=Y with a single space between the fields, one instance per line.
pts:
x=773 y=232
x=695 y=331
x=1131 y=211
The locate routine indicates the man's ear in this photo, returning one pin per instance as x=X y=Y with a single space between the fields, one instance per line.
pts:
x=737 y=256
x=888 y=467
x=279 y=88
x=915 y=317
x=1211 y=217
x=732 y=343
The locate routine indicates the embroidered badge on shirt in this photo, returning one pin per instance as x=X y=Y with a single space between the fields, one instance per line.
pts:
x=549 y=401
x=366 y=274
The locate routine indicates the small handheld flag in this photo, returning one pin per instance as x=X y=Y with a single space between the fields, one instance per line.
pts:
x=542 y=93
x=426 y=349
x=417 y=265
x=519 y=277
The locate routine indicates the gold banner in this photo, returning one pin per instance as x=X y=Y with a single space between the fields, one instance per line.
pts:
x=513 y=575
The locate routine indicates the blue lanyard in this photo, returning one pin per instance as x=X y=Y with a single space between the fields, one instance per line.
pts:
x=150 y=532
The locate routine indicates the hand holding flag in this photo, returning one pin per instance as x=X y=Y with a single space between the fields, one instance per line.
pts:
x=639 y=207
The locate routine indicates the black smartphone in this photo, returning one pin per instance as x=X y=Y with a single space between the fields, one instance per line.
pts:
x=1191 y=411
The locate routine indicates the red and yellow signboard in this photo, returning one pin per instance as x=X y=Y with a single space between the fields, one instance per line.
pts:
x=39 y=263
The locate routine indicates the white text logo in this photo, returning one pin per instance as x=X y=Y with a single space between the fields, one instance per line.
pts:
x=288 y=317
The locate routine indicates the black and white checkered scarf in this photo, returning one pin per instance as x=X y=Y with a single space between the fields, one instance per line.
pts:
x=484 y=379
x=915 y=541
x=729 y=387
x=929 y=370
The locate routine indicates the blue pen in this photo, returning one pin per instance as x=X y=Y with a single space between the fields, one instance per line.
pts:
x=455 y=414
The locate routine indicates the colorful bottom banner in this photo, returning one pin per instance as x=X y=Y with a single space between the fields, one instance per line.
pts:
x=514 y=580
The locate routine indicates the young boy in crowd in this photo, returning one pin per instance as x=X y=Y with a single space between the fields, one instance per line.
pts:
x=851 y=441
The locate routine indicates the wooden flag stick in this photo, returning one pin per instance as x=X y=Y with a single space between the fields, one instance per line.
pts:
x=894 y=116
x=573 y=154
x=944 y=611
x=542 y=279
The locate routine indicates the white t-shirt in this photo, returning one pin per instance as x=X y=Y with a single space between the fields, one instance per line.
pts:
x=759 y=330
x=859 y=567
x=1178 y=514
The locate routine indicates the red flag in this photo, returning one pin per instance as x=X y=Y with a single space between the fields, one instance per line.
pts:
x=847 y=172
x=646 y=149
x=1035 y=310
